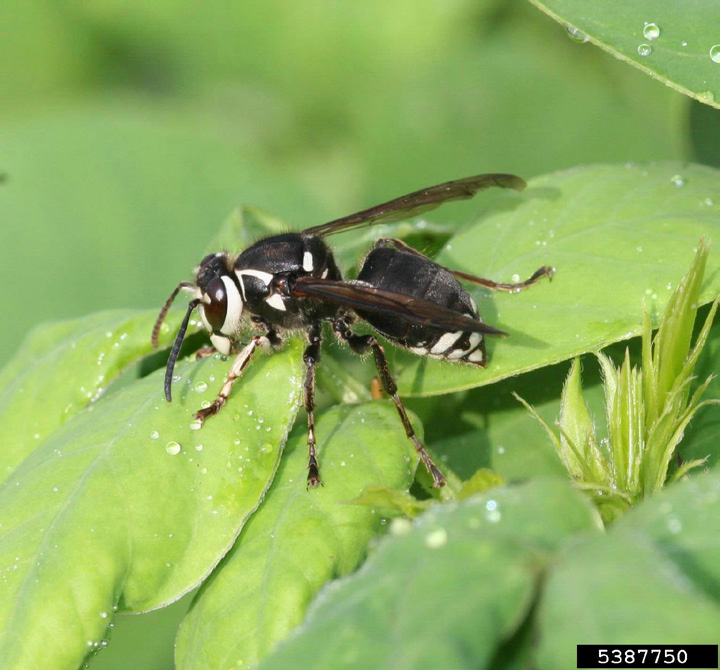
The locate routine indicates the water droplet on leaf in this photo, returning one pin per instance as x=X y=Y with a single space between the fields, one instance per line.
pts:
x=678 y=181
x=651 y=31
x=644 y=50
x=576 y=35
x=173 y=448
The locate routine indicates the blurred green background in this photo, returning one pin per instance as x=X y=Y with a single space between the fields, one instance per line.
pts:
x=129 y=130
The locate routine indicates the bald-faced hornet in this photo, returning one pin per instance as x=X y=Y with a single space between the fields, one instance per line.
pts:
x=291 y=282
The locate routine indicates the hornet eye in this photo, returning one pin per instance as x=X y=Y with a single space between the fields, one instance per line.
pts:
x=216 y=309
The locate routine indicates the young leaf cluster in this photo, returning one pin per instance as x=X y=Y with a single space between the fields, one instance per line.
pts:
x=647 y=408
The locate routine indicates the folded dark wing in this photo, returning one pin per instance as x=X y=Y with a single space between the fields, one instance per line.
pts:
x=362 y=298
x=418 y=202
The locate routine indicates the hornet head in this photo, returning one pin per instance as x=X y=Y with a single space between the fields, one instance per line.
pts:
x=217 y=294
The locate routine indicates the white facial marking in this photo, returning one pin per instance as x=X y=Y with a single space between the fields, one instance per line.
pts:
x=264 y=277
x=221 y=343
x=308 y=262
x=454 y=355
x=474 y=306
x=446 y=341
x=234 y=307
x=420 y=351
x=276 y=301
x=325 y=273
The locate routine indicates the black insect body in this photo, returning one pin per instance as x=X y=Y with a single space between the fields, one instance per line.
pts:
x=388 y=268
x=291 y=282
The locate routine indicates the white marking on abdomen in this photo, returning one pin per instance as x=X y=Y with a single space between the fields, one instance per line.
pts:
x=446 y=341
x=276 y=301
x=476 y=356
x=307 y=262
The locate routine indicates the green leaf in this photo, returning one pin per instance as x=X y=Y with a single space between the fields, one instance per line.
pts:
x=579 y=446
x=483 y=480
x=127 y=506
x=655 y=578
x=390 y=501
x=378 y=618
x=673 y=337
x=661 y=37
x=298 y=539
x=684 y=523
x=619 y=588
x=616 y=235
x=62 y=368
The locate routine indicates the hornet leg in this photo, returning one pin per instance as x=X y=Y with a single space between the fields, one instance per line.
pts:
x=544 y=271
x=360 y=344
x=238 y=367
x=311 y=358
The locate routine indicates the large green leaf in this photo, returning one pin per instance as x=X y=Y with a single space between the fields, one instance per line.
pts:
x=129 y=506
x=62 y=368
x=684 y=524
x=298 y=539
x=654 y=579
x=675 y=42
x=475 y=565
x=617 y=235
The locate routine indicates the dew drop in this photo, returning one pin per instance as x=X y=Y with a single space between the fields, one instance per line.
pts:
x=199 y=447
x=706 y=96
x=195 y=425
x=515 y=278
x=576 y=35
x=715 y=53
x=678 y=181
x=154 y=435
x=708 y=202
x=201 y=387
x=173 y=448
x=436 y=538
x=651 y=31
x=683 y=43
x=644 y=50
